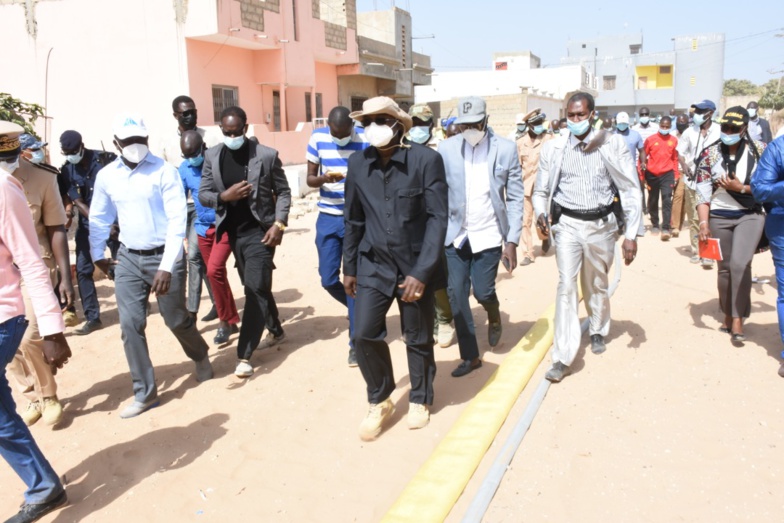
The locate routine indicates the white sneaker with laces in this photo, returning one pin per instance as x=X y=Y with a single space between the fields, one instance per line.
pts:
x=418 y=416
x=244 y=369
x=377 y=413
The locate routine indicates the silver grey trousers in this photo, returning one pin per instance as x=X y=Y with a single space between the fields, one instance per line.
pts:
x=584 y=248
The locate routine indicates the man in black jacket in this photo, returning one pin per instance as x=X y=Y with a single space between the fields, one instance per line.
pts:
x=396 y=216
x=244 y=182
x=759 y=128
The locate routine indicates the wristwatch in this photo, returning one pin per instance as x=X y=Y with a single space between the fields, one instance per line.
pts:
x=280 y=225
x=743 y=190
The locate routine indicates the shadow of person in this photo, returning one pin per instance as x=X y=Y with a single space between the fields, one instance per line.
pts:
x=449 y=391
x=111 y=472
x=684 y=250
x=708 y=308
x=619 y=327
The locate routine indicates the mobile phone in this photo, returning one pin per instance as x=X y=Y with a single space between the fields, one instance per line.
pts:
x=505 y=261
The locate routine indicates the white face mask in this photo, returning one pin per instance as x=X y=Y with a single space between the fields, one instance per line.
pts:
x=341 y=142
x=419 y=134
x=135 y=152
x=75 y=158
x=379 y=135
x=10 y=166
x=37 y=156
x=752 y=113
x=473 y=136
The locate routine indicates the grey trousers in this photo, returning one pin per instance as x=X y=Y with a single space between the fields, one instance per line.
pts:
x=133 y=279
x=738 y=239
x=197 y=269
x=584 y=248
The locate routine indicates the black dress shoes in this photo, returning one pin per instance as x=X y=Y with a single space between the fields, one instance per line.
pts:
x=33 y=512
x=222 y=336
x=466 y=367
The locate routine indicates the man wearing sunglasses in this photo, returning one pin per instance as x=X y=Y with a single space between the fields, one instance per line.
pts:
x=244 y=182
x=184 y=111
x=486 y=194
x=395 y=215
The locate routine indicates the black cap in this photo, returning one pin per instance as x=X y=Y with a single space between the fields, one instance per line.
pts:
x=735 y=116
x=70 y=140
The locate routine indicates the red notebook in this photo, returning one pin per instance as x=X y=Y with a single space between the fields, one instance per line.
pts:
x=711 y=249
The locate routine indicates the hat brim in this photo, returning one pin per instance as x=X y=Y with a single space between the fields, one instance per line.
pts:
x=471 y=118
x=131 y=131
x=401 y=116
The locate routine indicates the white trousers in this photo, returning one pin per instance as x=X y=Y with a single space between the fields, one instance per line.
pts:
x=587 y=248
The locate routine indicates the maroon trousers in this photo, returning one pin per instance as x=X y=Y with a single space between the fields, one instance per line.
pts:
x=215 y=255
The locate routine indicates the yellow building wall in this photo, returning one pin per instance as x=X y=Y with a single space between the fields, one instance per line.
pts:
x=655 y=80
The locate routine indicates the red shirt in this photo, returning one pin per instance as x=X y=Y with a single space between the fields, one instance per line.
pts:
x=662 y=154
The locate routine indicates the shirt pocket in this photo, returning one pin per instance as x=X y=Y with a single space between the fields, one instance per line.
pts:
x=411 y=202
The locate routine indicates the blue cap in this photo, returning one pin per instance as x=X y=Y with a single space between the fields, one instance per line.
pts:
x=705 y=104
x=28 y=141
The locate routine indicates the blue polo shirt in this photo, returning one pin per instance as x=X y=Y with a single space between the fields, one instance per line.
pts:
x=191 y=179
x=633 y=141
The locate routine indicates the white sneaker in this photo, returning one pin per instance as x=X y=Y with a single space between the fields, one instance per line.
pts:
x=371 y=426
x=446 y=335
x=244 y=369
x=418 y=416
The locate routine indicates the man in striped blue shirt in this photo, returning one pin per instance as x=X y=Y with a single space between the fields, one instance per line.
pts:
x=328 y=151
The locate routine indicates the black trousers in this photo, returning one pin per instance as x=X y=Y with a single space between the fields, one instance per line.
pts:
x=370 y=329
x=255 y=265
x=663 y=184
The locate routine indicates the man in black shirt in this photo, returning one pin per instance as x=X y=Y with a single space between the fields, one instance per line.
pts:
x=396 y=218
x=244 y=182
x=78 y=176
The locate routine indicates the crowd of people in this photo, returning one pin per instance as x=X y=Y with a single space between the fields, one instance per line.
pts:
x=409 y=213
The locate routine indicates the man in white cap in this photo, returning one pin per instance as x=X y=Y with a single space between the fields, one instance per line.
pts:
x=20 y=257
x=485 y=223
x=528 y=148
x=396 y=205
x=145 y=195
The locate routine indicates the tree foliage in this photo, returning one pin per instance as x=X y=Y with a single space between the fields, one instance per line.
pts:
x=736 y=87
x=23 y=113
x=773 y=94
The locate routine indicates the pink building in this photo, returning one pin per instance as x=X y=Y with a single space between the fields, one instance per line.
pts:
x=286 y=62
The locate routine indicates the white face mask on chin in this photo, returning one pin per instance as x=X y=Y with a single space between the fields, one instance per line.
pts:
x=10 y=166
x=135 y=152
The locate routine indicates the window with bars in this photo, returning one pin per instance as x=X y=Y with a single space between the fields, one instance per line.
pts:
x=608 y=83
x=319 y=106
x=308 y=109
x=223 y=97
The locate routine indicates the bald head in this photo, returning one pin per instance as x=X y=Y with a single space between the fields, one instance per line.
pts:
x=191 y=144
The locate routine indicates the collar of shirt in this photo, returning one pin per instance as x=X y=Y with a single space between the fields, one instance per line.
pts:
x=371 y=156
x=574 y=141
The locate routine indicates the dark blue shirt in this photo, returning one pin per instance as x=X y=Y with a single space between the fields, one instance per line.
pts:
x=77 y=181
x=191 y=179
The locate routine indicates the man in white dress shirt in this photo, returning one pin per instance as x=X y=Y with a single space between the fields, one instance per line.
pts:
x=145 y=195
x=580 y=176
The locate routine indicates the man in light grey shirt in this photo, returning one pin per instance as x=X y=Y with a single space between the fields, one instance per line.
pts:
x=580 y=176
x=759 y=128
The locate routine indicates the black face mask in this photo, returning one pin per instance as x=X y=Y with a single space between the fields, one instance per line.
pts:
x=681 y=127
x=187 y=120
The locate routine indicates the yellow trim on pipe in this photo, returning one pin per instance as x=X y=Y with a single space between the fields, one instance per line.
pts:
x=438 y=484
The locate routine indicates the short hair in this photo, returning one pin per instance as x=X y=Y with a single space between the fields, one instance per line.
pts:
x=235 y=111
x=193 y=136
x=666 y=118
x=339 y=117
x=182 y=99
x=582 y=97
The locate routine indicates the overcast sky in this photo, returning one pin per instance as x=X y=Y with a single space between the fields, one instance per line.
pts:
x=467 y=32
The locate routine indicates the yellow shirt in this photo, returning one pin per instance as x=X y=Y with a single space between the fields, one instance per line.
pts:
x=44 y=201
x=528 y=150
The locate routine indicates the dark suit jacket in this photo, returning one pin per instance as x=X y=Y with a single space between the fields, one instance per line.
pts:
x=395 y=218
x=767 y=136
x=270 y=198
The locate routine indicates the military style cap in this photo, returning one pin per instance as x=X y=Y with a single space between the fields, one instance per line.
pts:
x=534 y=116
x=421 y=111
x=9 y=136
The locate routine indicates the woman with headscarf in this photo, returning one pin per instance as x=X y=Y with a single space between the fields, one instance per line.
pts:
x=728 y=211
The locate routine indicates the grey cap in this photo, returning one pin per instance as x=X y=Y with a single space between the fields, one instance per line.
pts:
x=471 y=110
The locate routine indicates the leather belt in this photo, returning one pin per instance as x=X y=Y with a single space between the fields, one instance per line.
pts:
x=587 y=216
x=145 y=252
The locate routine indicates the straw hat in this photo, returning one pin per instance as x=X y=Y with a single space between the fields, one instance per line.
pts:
x=383 y=105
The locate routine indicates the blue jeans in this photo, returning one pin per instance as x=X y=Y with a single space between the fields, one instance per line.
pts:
x=467 y=268
x=330 y=230
x=17 y=445
x=774 y=229
x=84 y=275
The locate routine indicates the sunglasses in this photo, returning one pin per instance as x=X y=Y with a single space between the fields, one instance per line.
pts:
x=378 y=120
x=730 y=129
x=189 y=112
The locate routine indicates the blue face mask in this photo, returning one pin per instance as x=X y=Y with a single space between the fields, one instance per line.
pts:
x=645 y=119
x=38 y=156
x=752 y=113
x=341 y=142
x=579 y=128
x=419 y=134
x=233 y=142
x=698 y=119
x=730 y=139
x=196 y=162
x=664 y=132
x=622 y=126
x=538 y=129
x=521 y=127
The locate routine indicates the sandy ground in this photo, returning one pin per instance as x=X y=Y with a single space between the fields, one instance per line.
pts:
x=671 y=423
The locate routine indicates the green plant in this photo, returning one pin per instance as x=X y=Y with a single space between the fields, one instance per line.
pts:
x=23 y=113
